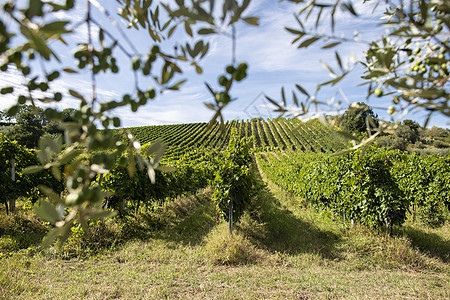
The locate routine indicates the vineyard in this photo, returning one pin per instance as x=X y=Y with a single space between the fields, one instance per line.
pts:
x=375 y=187
x=354 y=204
x=284 y=134
x=292 y=201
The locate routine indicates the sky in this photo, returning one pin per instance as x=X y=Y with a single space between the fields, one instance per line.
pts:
x=273 y=63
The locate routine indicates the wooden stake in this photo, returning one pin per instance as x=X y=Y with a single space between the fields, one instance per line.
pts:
x=231 y=217
x=12 y=201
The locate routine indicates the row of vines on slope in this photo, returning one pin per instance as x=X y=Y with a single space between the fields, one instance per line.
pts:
x=187 y=173
x=286 y=134
x=15 y=159
x=184 y=174
x=375 y=187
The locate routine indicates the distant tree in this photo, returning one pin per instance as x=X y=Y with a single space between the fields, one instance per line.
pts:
x=359 y=118
x=407 y=134
x=30 y=123
x=5 y=119
x=28 y=127
x=436 y=132
x=412 y=124
x=409 y=131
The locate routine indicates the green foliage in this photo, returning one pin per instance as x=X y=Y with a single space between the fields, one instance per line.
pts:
x=234 y=184
x=31 y=122
x=357 y=186
x=425 y=181
x=28 y=127
x=409 y=131
x=25 y=185
x=372 y=186
x=359 y=118
x=186 y=174
x=437 y=132
x=26 y=35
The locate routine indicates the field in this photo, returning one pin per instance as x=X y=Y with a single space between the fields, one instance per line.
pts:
x=171 y=243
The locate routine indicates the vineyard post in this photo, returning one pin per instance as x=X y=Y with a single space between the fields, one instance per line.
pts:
x=231 y=217
x=12 y=201
x=100 y=178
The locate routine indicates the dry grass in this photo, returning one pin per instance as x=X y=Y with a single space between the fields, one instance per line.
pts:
x=221 y=248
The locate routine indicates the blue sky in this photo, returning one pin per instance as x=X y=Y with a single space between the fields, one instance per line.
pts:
x=273 y=63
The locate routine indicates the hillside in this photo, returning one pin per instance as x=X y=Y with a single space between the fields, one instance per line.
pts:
x=284 y=134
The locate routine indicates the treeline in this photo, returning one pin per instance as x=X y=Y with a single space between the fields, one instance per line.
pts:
x=360 y=120
x=32 y=122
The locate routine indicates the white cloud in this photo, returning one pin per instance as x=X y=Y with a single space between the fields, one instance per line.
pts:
x=76 y=16
x=14 y=78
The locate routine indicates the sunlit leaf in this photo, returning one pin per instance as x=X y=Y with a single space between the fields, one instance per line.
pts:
x=47 y=212
x=331 y=45
x=97 y=215
x=53 y=196
x=32 y=169
x=56 y=172
x=251 y=21
x=151 y=174
x=50 y=238
x=166 y=169
x=308 y=42
x=76 y=95
x=210 y=106
x=326 y=66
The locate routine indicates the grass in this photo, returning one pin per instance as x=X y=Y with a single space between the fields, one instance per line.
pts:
x=177 y=250
x=20 y=230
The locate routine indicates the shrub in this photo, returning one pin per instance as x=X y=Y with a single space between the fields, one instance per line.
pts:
x=399 y=143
